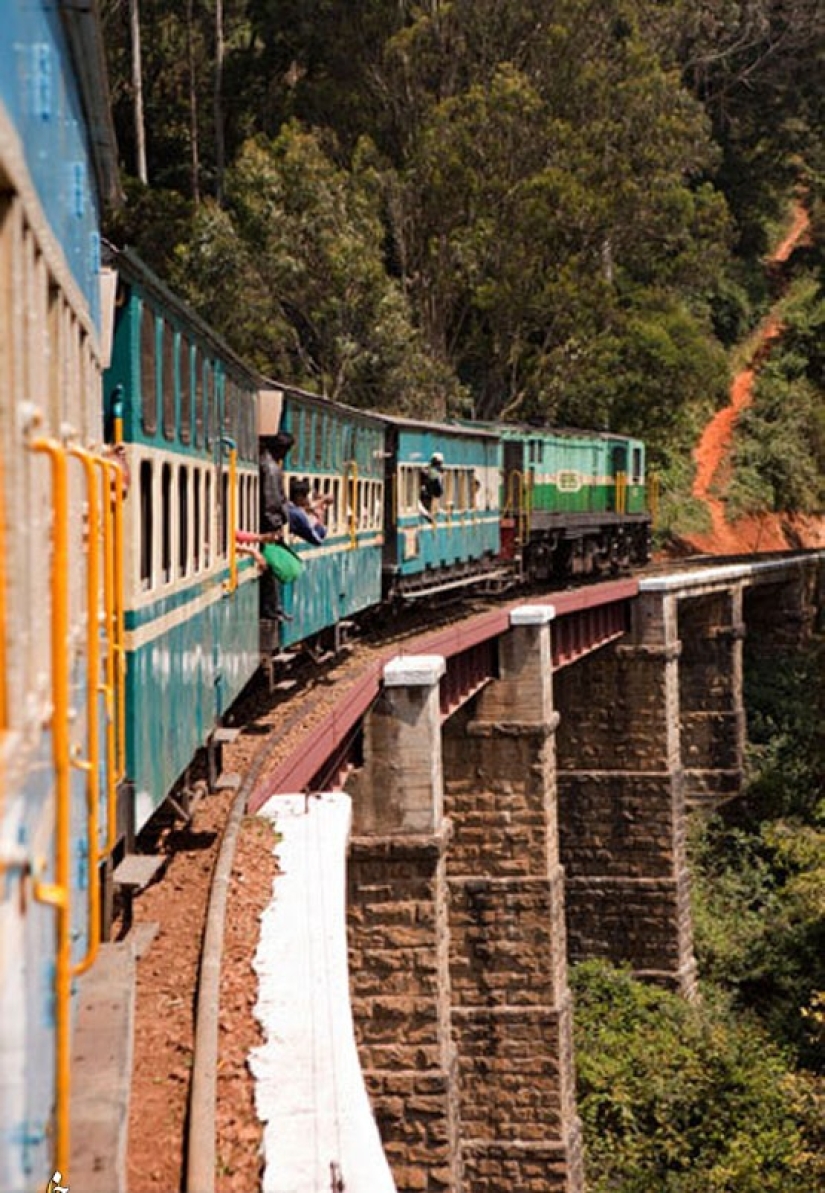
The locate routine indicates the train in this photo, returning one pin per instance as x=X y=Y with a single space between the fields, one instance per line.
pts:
x=129 y=613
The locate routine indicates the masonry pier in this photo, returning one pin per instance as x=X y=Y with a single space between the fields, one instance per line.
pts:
x=398 y=930
x=511 y=1005
x=622 y=801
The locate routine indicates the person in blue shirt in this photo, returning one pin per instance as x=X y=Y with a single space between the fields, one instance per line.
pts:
x=306 y=513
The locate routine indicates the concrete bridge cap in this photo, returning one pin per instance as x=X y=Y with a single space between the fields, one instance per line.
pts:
x=532 y=614
x=414 y=670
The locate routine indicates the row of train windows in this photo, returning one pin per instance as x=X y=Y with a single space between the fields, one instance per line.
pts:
x=619 y=461
x=462 y=490
x=184 y=519
x=184 y=516
x=194 y=391
x=356 y=504
x=325 y=441
x=49 y=375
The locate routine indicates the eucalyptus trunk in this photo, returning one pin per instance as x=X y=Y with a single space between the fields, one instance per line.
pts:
x=137 y=91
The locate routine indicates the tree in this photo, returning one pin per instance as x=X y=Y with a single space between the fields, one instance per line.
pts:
x=681 y=1098
x=306 y=295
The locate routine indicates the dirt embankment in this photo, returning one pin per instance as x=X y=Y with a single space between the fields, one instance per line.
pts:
x=762 y=532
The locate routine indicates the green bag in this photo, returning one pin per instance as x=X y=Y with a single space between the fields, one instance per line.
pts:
x=283 y=562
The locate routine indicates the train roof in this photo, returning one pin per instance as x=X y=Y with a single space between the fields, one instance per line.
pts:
x=447 y=428
x=566 y=432
x=309 y=395
x=84 y=36
x=127 y=261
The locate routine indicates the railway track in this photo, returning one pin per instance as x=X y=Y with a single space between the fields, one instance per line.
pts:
x=192 y=1101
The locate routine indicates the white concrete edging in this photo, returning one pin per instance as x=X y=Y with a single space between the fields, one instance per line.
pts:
x=310 y=1094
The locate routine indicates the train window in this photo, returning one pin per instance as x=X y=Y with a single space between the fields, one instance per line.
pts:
x=183 y=521
x=148 y=366
x=185 y=366
x=461 y=489
x=329 y=444
x=250 y=503
x=448 y=499
x=346 y=445
x=241 y=418
x=166 y=523
x=224 y=513
x=167 y=380
x=230 y=406
x=197 y=373
x=408 y=485
x=313 y=456
x=147 y=535
x=218 y=402
x=208 y=425
x=197 y=526
x=638 y=475
x=207 y=520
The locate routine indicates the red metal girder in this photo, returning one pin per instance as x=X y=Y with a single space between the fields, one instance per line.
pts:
x=316 y=746
x=585 y=618
x=466 y=673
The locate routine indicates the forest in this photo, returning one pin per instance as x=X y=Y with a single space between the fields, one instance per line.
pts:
x=552 y=210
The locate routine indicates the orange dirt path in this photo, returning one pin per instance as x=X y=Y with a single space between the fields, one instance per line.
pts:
x=764 y=532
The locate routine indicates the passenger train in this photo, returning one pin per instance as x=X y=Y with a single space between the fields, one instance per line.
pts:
x=129 y=619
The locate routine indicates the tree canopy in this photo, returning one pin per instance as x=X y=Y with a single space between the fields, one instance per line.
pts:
x=508 y=210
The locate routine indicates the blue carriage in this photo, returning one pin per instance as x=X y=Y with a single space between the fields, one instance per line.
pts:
x=438 y=541
x=58 y=164
x=185 y=407
x=339 y=451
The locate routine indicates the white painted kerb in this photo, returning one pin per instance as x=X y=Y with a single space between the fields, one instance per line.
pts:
x=309 y=1090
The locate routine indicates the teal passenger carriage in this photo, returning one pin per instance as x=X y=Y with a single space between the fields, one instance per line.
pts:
x=340 y=452
x=456 y=541
x=187 y=409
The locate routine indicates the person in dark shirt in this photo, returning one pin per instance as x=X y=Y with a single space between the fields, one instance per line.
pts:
x=274 y=512
x=432 y=485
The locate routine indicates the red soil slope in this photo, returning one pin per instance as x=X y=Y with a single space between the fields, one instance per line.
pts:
x=764 y=532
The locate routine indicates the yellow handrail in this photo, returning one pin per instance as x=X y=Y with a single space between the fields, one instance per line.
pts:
x=233 y=520
x=526 y=507
x=58 y=893
x=91 y=765
x=109 y=472
x=621 y=492
x=120 y=633
x=518 y=500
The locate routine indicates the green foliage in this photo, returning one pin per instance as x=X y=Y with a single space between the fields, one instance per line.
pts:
x=682 y=1098
x=293 y=271
x=497 y=208
x=759 y=865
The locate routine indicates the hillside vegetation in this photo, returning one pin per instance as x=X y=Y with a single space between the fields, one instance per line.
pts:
x=727 y=1095
x=555 y=210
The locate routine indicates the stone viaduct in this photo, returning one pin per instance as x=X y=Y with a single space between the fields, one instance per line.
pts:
x=541 y=822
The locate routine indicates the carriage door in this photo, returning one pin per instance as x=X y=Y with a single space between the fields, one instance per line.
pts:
x=512 y=489
x=617 y=492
